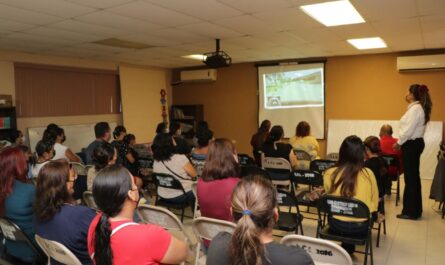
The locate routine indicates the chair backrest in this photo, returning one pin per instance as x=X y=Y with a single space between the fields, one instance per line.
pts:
x=89 y=199
x=391 y=160
x=208 y=228
x=321 y=251
x=286 y=198
x=198 y=164
x=146 y=162
x=12 y=232
x=302 y=155
x=320 y=165
x=307 y=177
x=332 y=156
x=245 y=160
x=162 y=217
x=340 y=206
x=57 y=251
x=167 y=181
x=251 y=170
x=79 y=168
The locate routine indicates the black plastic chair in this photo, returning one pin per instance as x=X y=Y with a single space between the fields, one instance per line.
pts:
x=303 y=159
x=320 y=165
x=169 y=182
x=12 y=232
x=279 y=170
x=333 y=205
x=381 y=209
x=251 y=170
x=245 y=160
x=393 y=161
x=288 y=221
x=311 y=179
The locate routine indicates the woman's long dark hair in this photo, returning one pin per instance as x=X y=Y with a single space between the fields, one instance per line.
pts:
x=264 y=127
x=421 y=93
x=253 y=202
x=102 y=155
x=350 y=163
x=163 y=148
x=110 y=190
x=220 y=162
x=275 y=134
x=51 y=190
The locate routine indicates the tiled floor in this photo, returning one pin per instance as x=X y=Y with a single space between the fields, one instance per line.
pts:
x=407 y=242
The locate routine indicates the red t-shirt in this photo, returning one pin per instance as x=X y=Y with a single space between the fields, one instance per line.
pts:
x=386 y=143
x=140 y=244
x=214 y=197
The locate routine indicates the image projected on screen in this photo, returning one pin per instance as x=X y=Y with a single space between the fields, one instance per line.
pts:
x=294 y=89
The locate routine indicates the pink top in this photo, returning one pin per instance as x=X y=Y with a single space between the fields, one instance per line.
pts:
x=214 y=197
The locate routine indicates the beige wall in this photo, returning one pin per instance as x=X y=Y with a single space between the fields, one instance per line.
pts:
x=140 y=91
x=357 y=87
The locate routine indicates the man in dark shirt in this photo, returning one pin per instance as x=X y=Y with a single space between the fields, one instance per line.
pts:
x=102 y=131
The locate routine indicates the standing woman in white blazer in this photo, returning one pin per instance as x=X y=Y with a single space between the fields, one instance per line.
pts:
x=412 y=129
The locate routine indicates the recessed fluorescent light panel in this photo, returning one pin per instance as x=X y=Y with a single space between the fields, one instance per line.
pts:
x=334 y=13
x=198 y=57
x=368 y=43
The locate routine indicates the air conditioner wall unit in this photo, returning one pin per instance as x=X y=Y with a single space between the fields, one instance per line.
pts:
x=421 y=63
x=206 y=75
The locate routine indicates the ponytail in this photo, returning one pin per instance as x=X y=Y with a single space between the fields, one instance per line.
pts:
x=421 y=93
x=253 y=202
x=103 y=254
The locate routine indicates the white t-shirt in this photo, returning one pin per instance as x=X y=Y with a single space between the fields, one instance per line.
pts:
x=36 y=168
x=60 y=150
x=412 y=124
x=176 y=164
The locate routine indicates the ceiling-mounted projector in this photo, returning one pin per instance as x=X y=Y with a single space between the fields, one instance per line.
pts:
x=217 y=59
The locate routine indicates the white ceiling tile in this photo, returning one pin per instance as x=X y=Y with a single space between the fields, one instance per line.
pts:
x=432 y=37
x=428 y=7
x=432 y=23
x=153 y=13
x=149 y=39
x=104 y=18
x=249 y=42
x=75 y=52
x=9 y=25
x=26 y=16
x=81 y=27
x=63 y=34
x=178 y=35
x=203 y=9
x=26 y=46
x=354 y=31
x=282 y=38
x=53 y=7
x=103 y=48
x=36 y=38
x=100 y=3
x=287 y=19
x=246 y=24
x=397 y=27
x=211 y=30
x=384 y=9
x=319 y=35
x=257 y=5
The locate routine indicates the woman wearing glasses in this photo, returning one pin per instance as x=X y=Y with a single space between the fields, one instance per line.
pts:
x=56 y=217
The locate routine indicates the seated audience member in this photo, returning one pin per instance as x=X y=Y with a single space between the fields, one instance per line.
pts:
x=17 y=138
x=104 y=155
x=219 y=177
x=304 y=141
x=386 y=144
x=199 y=153
x=254 y=209
x=113 y=237
x=131 y=159
x=201 y=126
x=103 y=134
x=350 y=179
x=181 y=146
x=48 y=134
x=29 y=159
x=376 y=163
x=275 y=147
x=45 y=152
x=16 y=199
x=161 y=128
x=57 y=218
x=258 y=140
x=176 y=165
x=118 y=142
x=62 y=151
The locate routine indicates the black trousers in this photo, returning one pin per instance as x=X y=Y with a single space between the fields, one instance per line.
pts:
x=412 y=195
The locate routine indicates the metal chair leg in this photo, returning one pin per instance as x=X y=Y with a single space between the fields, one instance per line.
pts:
x=378 y=235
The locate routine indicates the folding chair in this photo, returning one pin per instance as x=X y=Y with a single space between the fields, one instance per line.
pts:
x=12 y=232
x=320 y=165
x=288 y=221
x=254 y=170
x=169 y=182
x=88 y=199
x=245 y=160
x=321 y=251
x=279 y=170
x=392 y=162
x=332 y=156
x=206 y=229
x=381 y=209
x=164 y=218
x=196 y=212
x=79 y=168
x=55 y=250
x=310 y=178
x=353 y=208
x=303 y=159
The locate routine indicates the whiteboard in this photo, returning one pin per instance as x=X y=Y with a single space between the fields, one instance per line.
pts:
x=338 y=130
x=77 y=136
